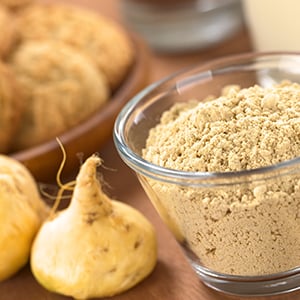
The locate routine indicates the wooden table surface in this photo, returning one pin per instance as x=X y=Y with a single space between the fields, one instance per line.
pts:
x=173 y=278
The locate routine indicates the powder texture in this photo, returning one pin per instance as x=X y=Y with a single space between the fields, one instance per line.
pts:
x=247 y=228
x=243 y=129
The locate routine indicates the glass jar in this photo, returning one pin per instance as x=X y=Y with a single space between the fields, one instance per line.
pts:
x=178 y=25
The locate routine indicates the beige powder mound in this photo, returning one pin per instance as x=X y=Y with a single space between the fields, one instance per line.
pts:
x=243 y=129
x=250 y=228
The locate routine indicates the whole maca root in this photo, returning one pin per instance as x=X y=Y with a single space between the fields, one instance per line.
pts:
x=11 y=106
x=16 y=4
x=101 y=39
x=21 y=213
x=97 y=247
x=61 y=87
x=9 y=36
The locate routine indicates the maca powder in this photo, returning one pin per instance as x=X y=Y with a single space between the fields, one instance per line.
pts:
x=250 y=228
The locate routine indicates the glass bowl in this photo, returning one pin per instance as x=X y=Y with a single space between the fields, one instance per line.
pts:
x=238 y=247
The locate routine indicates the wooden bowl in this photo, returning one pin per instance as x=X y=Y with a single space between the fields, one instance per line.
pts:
x=88 y=137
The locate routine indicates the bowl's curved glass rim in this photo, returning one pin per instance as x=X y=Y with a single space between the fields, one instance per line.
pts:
x=264 y=277
x=171 y=175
